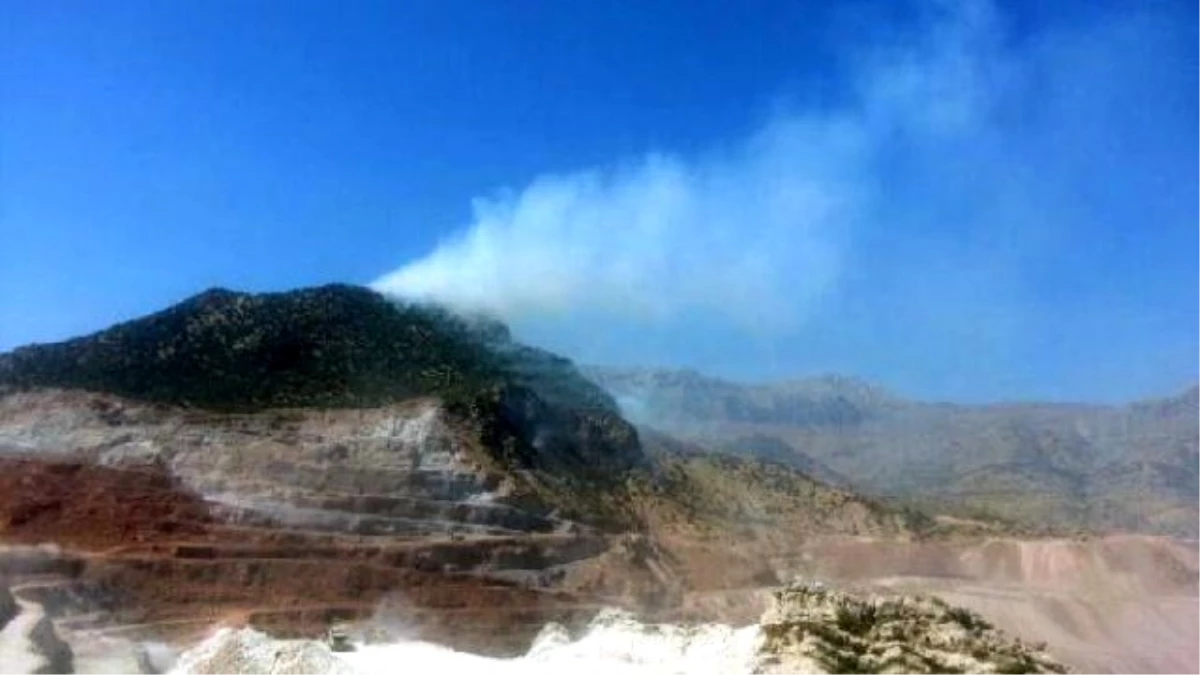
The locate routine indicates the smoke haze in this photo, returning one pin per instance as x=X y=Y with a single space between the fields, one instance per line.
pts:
x=911 y=220
x=661 y=235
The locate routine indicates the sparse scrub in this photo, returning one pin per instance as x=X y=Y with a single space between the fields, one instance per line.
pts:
x=856 y=618
x=967 y=619
x=846 y=633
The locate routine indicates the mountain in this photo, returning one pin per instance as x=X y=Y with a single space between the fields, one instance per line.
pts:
x=686 y=398
x=334 y=346
x=1129 y=468
x=345 y=347
x=806 y=630
x=287 y=459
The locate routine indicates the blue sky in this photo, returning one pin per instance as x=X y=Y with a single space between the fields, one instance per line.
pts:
x=959 y=200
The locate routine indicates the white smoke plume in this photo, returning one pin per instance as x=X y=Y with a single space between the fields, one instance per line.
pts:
x=940 y=218
x=752 y=232
x=660 y=236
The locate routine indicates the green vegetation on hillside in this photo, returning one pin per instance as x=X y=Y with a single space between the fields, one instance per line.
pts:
x=537 y=420
x=333 y=346
x=342 y=346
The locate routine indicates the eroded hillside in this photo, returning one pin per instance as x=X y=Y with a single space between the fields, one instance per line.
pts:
x=287 y=459
x=1067 y=466
x=182 y=471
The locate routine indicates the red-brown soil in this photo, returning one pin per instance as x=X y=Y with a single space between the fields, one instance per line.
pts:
x=115 y=485
x=154 y=556
x=83 y=505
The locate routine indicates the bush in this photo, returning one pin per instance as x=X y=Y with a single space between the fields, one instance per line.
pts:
x=856 y=619
x=967 y=619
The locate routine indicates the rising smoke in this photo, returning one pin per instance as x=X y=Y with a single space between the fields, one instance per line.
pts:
x=753 y=231
x=906 y=229
x=659 y=236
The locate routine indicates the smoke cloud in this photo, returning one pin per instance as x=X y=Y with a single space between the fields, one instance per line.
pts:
x=752 y=232
x=923 y=226
x=659 y=236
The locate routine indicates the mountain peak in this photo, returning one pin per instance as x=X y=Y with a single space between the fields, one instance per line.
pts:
x=328 y=346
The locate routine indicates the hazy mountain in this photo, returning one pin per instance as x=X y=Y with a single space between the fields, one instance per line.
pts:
x=1130 y=467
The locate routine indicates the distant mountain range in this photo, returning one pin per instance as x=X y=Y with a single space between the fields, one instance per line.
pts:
x=1131 y=467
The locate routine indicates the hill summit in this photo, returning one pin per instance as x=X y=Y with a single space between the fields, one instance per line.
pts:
x=347 y=347
x=330 y=346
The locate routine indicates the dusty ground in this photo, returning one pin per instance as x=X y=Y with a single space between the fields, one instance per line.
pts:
x=154 y=563
x=150 y=557
x=289 y=519
x=172 y=521
x=1112 y=604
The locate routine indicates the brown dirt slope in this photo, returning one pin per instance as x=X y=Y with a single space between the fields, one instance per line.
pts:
x=289 y=518
x=151 y=553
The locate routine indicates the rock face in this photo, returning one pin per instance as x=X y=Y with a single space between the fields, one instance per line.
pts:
x=1065 y=466
x=813 y=629
x=399 y=469
x=286 y=460
x=806 y=630
x=290 y=518
x=614 y=642
x=185 y=517
x=248 y=651
x=343 y=347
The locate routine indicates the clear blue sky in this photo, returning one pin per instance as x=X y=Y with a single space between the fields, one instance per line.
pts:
x=1046 y=247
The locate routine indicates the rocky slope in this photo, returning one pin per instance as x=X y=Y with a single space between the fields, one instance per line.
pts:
x=806 y=630
x=1112 y=604
x=343 y=347
x=1129 y=468
x=468 y=495
x=810 y=628
x=291 y=519
x=283 y=460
